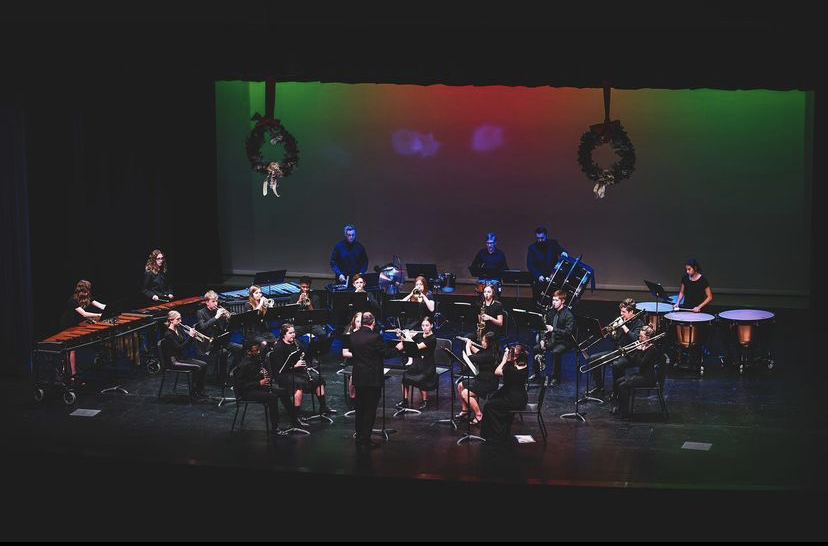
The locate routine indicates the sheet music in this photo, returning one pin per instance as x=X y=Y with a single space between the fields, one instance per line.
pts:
x=468 y=362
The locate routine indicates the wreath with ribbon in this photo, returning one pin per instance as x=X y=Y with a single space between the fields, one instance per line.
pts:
x=611 y=132
x=267 y=125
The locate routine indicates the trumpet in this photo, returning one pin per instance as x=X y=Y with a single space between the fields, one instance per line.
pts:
x=198 y=335
x=268 y=302
x=222 y=312
x=622 y=351
x=305 y=301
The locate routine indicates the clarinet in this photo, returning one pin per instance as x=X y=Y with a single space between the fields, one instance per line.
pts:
x=301 y=356
x=266 y=375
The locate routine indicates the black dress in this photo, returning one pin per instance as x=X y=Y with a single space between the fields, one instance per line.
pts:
x=155 y=284
x=497 y=416
x=493 y=310
x=423 y=372
x=485 y=381
x=694 y=291
x=257 y=327
x=70 y=317
x=283 y=358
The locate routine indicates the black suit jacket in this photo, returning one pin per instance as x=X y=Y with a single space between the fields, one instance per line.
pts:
x=369 y=350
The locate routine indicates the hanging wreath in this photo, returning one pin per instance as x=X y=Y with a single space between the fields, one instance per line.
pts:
x=274 y=169
x=614 y=134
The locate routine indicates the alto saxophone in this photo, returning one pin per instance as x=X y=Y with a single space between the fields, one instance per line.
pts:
x=481 y=324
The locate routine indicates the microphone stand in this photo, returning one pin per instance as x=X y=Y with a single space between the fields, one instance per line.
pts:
x=576 y=414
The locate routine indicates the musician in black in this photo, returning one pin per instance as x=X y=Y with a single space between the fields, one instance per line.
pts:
x=356 y=324
x=174 y=344
x=213 y=322
x=484 y=383
x=490 y=260
x=309 y=300
x=156 y=285
x=560 y=327
x=422 y=373
x=645 y=358
x=497 y=415
x=287 y=360
x=420 y=294
x=491 y=317
x=253 y=380
x=348 y=256
x=257 y=328
x=369 y=353
x=541 y=259
x=358 y=283
x=621 y=335
x=695 y=288
x=80 y=307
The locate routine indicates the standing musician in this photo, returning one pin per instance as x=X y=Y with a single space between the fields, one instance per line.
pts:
x=621 y=336
x=80 y=307
x=423 y=372
x=174 y=344
x=422 y=294
x=258 y=328
x=491 y=261
x=253 y=380
x=497 y=415
x=214 y=321
x=490 y=318
x=356 y=324
x=348 y=256
x=156 y=285
x=484 y=382
x=369 y=353
x=308 y=300
x=287 y=360
x=695 y=288
x=646 y=358
x=560 y=326
x=541 y=259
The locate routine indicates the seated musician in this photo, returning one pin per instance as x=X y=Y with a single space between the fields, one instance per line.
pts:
x=490 y=260
x=257 y=329
x=695 y=288
x=422 y=373
x=174 y=344
x=253 y=380
x=645 y=358
x=420 y=293
x=491 y=317
x=497 y=415
x=214 y=321
x=309 y=300
x=156 y=285
x=80 y=307
x=355 y=324
x=560 y=326
x=484 y=382
x=348 y=256
x=621 y=335
x=358 y=282
x=287 y=360
x=541 y=259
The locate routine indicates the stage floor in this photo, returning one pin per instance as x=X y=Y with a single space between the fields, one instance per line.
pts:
x=765 y=429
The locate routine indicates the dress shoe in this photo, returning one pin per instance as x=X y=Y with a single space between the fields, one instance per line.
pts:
x=423 y=405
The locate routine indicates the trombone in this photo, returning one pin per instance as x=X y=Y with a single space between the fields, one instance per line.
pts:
x=622 y=351
x=609 y=329
x=198 y=335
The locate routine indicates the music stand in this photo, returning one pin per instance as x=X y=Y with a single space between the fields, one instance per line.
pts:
x=454 y=358
x=591 y=327
x=461 y=310
x=429 y=271
x=658 y=292
x=469 y=436
x=346 y=304
x=516 y=277
x=311 y=318
x=575 y=414
x=268 y=278
x=405 y=309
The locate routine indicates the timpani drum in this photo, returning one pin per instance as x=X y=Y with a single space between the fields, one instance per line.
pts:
x=690 y=329
x=654 y=311
x=747 y=325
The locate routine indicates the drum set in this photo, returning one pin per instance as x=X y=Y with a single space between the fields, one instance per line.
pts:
x=494 y=283
x=746 y=333
x=444 y=282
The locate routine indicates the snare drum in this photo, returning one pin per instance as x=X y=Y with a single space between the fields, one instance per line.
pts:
x=495 y=283
x=654 y=311
x=691 y=329
x=747 y=324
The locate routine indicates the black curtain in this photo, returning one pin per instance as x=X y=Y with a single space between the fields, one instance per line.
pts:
x=115 y=167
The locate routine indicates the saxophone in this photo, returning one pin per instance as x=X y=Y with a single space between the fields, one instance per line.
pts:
x=481 y=324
